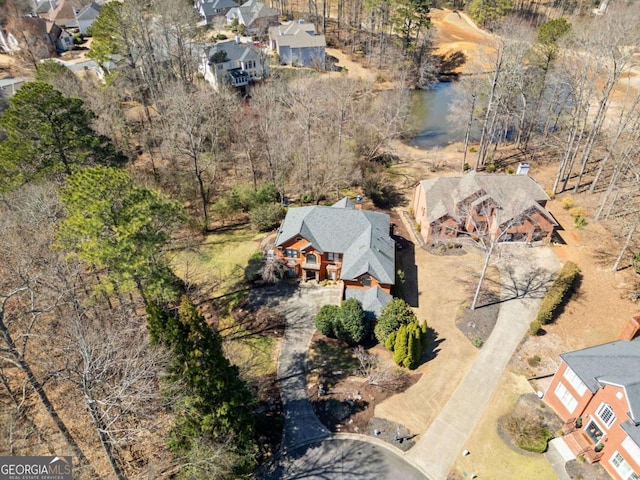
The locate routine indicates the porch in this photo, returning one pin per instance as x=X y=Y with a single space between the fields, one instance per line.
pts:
x=582 y=441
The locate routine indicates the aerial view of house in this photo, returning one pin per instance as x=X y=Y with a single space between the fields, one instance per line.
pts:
x=209 y=10
x=233 y=63
x=255 y=16
x=508 y=207
x=342 y=243
x=297 y=43
x=596 y=392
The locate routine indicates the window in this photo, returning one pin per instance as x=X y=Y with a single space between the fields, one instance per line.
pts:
x=291 y=253
x=631 y=447
x=575 y=381
x=622 y=467
x=311 y=258
x=333 y=257
x=366 y=280
x=568 y=400
x=605 y=413
x=594 y=432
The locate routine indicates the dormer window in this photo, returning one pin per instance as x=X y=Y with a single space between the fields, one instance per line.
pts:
x=365 y=280
x=333 y=257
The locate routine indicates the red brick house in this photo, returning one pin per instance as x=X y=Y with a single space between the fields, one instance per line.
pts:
x=340 y=243
x=509 y=207
x=596 y=392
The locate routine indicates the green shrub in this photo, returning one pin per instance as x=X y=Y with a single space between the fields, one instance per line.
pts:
x=355 y=325
x=326 y=319
x=511 y=170
x=267 y=216
x=536 y=440
x=400 y=346
x=576 y=212
x=466 y=166
x=395 y=313
x=477 y=342
x=557 y=294
x=408 y=344
x=535 y=327
x=473 y=149
x=221 y=36
x=579 y=222
x=491 y=167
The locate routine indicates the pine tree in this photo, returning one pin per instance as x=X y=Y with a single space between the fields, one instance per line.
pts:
x=216 y=403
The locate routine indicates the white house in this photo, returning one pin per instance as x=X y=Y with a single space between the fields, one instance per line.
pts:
x=297 y=44
x=255 y=16
x=212 y=9
x=234 y=63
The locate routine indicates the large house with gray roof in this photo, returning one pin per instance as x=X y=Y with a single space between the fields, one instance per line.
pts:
x=233 y=63
x=508 y=207
x=596 y=392
x=297 y=43
x=255 y=16
x=341 y=243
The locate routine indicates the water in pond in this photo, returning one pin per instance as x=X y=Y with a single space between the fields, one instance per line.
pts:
x=428 y=117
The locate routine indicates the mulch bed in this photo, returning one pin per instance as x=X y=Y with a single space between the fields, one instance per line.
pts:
x=578 y=470
x=478 y=324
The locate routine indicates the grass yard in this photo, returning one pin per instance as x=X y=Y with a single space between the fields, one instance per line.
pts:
x=490 y=457
x=217 y=265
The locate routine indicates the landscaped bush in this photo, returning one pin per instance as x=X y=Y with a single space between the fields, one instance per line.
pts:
x=396 y=313
x=326 y=318
x=535 y=327
x=567 y=203
x=409 y=343
x=347 y=322
x=558 y=293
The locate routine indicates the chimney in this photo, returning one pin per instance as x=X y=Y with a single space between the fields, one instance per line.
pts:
x=523 y=169
x=359 y=202
x=631 y=330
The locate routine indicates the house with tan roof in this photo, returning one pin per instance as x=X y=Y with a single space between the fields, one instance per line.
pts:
x=344 y=244
x=508 y=207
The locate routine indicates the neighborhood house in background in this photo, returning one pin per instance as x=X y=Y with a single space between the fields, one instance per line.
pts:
x=474 y=204
x=596 y=392
x=341 y=243
x=255 y=16
x=297 y=43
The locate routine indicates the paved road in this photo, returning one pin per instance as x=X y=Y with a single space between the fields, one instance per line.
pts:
x=341 y=459
x=438 y=447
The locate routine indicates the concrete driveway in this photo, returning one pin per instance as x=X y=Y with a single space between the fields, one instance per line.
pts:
x=438 y=447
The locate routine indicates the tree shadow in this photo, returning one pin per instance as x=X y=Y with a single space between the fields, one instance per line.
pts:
x=433 y=348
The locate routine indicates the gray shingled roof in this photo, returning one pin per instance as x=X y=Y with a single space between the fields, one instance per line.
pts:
x=361 y=236
x=373 y=300
x=209 y=8
x=251 y=11
x=235 y=51
x=614 y=363
x=90 y=12
x=296 y=35
x=514 y=193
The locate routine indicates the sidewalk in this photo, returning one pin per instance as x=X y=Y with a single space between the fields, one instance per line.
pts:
x=439 y=446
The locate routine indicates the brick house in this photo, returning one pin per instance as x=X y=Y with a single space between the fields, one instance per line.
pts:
x=596 y=392
x=509 y=207
x=341 y=243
